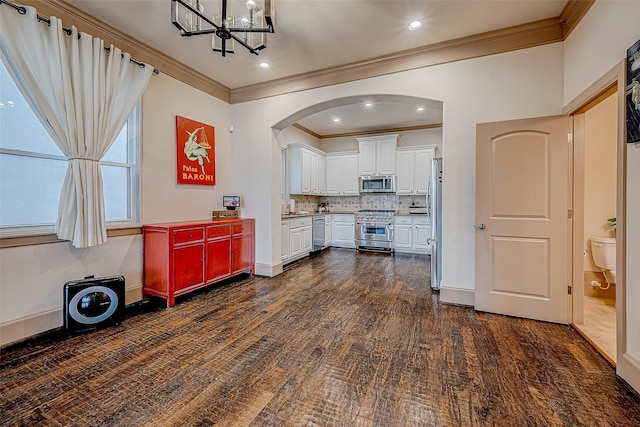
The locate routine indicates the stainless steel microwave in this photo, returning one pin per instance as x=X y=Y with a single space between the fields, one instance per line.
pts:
x=378 y=184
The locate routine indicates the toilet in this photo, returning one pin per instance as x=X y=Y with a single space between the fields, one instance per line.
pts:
x=603 y=250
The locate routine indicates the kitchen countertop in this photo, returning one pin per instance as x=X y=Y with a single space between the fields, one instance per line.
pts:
x=407 y=213
x=297 y=215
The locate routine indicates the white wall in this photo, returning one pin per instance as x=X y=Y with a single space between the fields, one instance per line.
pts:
x=526 y=83
x=601 y=145
x=599 y=43
x=162 y=198
x=32 y=277
x=291 y=135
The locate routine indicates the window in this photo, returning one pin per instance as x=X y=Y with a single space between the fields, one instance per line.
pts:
x=32 y=167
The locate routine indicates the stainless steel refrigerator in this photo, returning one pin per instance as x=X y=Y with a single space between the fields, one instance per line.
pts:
x=434 y=207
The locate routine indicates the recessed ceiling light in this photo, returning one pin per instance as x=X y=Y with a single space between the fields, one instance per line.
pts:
x=420 y=109
x=415 y=25
x=336 y=120
x=264 y=65
x=369 y=104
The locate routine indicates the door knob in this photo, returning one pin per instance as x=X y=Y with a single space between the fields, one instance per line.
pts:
x=481 y=226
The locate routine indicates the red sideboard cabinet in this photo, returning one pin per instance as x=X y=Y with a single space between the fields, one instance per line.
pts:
x=180 y=257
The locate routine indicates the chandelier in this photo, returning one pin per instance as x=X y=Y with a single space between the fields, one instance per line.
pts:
x=244 y=22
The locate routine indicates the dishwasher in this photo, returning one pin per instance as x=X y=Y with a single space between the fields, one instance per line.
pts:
x=320 y=240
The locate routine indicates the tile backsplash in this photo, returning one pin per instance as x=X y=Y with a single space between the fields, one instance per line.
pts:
x=354 y=203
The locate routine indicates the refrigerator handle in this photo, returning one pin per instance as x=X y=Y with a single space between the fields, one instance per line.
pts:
x=429 y=199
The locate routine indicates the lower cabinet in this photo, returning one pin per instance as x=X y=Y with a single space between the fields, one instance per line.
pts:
x=181 y=257
x=412 y=234
x=299 y=239
x=284 y=240
x=343 y=231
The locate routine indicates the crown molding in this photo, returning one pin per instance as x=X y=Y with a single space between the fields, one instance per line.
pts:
x=366 y=132
x=307 y=130
x=573 y=13
x=490 y=43
x=538 y=33
x=84 y=22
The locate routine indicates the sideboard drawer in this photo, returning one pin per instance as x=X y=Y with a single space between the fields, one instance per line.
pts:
x=243 y=228
x=189 y=235
x=219 y=231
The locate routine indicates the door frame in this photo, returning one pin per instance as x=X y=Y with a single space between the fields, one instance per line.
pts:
x=613 y=80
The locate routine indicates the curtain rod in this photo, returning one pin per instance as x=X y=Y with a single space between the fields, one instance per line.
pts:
x=22 y=10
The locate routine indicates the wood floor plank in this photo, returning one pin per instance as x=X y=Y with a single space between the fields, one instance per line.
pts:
x=341 y=339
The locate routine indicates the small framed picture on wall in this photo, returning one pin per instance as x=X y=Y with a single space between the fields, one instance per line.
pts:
x=633 y=93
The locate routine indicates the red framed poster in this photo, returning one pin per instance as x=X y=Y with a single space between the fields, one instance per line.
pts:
x=196 y=156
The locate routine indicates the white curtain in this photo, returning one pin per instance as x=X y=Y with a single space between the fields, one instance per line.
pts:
x=83 y=97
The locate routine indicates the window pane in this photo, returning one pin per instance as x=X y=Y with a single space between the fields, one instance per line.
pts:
x=30 y=189
x=118 y=151
x=115 y=181
x=20 y=129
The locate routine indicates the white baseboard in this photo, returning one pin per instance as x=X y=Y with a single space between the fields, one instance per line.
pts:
x=133 y=295
x=268 y=270
x=460 y=296
x=628 y=368
x=20 y=329
x=26 y=327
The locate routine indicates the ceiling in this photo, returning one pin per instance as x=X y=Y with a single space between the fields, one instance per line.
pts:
x=313 y=35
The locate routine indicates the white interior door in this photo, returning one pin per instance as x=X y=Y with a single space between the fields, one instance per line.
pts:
x=522 y=176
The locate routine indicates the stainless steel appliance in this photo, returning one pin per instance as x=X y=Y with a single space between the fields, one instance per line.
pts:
x=378 y=184
x=434 y=208
x=374 y=230
x=319 y=230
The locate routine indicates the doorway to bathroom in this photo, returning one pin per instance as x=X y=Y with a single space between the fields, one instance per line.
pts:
x=595 y=205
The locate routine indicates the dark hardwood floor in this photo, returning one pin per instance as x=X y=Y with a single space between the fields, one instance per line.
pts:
x=339 y=340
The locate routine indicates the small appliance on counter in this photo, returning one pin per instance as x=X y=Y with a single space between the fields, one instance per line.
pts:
x=416 y=210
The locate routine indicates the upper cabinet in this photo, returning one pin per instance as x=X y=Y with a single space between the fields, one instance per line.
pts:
x=342 y=175
x=414 y=169
x=306 y=170
x=377 y=155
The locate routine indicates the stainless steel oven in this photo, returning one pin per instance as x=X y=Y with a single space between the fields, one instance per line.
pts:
x=374 y=230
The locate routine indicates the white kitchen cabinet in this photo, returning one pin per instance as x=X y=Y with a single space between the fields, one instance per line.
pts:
x=284 y=239
x=295 y=242
x=342 y=175
x=299 y=238
x=414 y=169
x=412 y=233
x=305 y=176
x=322 y=175
x=343 y=230
x=422 y=172
x=327 y=230
x=405 y=164
x=421 y=238
x=403 y=233
x=377 y=155
x=315 y=173
x=307 y=240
